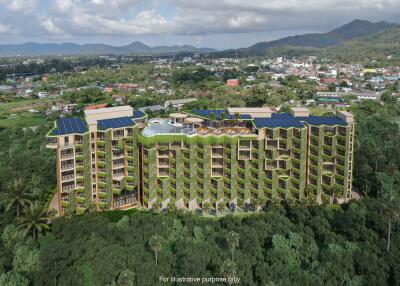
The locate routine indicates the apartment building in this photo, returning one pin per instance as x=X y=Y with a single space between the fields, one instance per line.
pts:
x=115 y=158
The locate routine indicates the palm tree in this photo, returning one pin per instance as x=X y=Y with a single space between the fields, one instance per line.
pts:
x=222 y=118
x=212 y=118
x=156 y=242
x=237 y=117
x=15 y=195
x=228 y=270
x=34 y=220
x=233 y=242
x=206 y=207
x=221 y=207
x=172 y=207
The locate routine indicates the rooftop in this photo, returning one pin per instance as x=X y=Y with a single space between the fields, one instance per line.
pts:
x=66 y=126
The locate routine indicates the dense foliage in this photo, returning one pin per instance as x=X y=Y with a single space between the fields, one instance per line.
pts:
x=347 y=245
x=307 y=246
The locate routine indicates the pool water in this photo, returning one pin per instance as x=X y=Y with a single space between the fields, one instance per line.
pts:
x=162 y=126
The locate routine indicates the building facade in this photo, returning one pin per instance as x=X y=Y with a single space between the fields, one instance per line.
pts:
x=116 y=158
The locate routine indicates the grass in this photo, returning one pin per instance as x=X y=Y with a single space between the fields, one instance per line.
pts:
x=116 y=215
x=25 y=119
x=318 y=110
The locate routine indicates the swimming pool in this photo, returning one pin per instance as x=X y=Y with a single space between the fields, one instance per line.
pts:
x=162 y=126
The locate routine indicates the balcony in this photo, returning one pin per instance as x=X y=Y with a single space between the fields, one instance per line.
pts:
x=67 y=166
x=117 y=154
x=118 y=176
x=68 y=187
x=68 y=177
x=51 y=142
x=65 y=156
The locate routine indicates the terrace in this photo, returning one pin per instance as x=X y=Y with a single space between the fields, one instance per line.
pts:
x=180 y=123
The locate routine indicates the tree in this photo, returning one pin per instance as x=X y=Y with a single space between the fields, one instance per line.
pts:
x=213 y=117
x=126 y=278
x=16 y=195
x=124 y=222
x=221 y=207
x=34 y=220
x=391 y=198
x=156 y=206
x=13 y=279
x=12 y=236
x=206 y=207
x=156 y=242
x=237 y=117
x=26 y=259
x=228 y=270
x=223 y=118
x=172 y=207
x=232 y=239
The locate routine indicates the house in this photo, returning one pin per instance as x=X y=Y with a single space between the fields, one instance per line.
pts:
x=126 y=86
x=328 y=80
x=108 y=89
x=232 y=82
x=152 y=108
x=96 y=106
x=42 y=94
x=178 y=103
x=118 y=98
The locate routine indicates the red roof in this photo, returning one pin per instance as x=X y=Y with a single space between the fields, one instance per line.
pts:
x=96 y=106
x=328 y=80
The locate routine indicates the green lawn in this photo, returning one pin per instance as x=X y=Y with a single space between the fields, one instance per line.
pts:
x=25 y=119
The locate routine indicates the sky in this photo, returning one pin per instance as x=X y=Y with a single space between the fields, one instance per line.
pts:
x=219 y=24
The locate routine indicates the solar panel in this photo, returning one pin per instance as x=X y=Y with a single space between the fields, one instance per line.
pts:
x=69 y=126
x=114 y=123
x=323 y=120
x=283 y=120
x=218 y=113
x=138 y=114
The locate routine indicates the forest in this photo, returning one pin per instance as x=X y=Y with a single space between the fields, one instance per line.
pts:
x=353 y=244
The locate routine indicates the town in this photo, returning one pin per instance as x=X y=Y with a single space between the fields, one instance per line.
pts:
x=161 y=85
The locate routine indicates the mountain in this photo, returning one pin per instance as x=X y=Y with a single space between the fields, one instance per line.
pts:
x=137 y=48
x=381 y=45
x=352 y=30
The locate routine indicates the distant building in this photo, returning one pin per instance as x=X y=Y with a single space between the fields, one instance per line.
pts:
x=96 y=106
x=126 y=86
x=108 y=89
x=328 y=80
x=152 y=108
x=232 y=82
x=178 y=103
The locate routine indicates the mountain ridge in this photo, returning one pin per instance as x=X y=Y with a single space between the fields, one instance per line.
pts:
x=136 y=47
x=354 y=29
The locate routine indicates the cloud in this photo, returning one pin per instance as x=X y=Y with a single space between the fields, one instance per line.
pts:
x=4 y=29
x=24 y=6
x=129 y=18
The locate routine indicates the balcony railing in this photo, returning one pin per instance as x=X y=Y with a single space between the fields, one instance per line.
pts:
x=67 y=156
x=68 y=188
x=65 y=167
x=69 y=177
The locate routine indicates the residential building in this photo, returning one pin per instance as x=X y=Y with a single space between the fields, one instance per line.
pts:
x=116 y=159
x=232 y=82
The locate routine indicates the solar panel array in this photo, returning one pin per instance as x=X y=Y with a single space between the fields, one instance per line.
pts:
x=323 y=120
x=138 y=114
x=218 y=113
x=114 y=123
x=283 y=120
x=69 y=126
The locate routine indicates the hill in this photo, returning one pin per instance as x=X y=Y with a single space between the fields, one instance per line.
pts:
x=138 y=48
x=352 y=30
x=382 y=45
